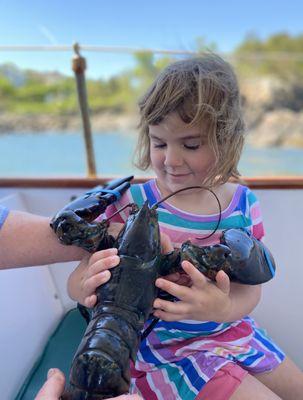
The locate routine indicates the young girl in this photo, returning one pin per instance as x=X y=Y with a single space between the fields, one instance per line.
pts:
x=205 y=346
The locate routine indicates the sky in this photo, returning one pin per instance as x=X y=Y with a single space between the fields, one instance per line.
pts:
x=165 y=24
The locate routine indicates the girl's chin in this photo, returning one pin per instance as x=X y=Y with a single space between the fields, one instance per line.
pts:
x=169 y=186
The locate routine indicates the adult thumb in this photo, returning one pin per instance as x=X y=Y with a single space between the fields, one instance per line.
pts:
x=53 y=387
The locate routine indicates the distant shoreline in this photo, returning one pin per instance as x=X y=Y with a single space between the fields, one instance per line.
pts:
x=276 y=128
x=14 y=123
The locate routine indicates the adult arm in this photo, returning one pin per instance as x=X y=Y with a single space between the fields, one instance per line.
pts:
x=27 y=240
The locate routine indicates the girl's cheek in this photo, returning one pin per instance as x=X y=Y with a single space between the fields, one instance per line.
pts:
x=156 y=160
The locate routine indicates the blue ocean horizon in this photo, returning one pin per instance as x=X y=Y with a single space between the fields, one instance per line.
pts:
x=63 y=154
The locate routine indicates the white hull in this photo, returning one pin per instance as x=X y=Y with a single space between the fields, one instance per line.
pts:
x=33 y=300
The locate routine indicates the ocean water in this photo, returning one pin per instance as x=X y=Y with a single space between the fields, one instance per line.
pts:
x=60 y=154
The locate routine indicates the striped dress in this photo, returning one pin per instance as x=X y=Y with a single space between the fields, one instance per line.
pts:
x=178 y=358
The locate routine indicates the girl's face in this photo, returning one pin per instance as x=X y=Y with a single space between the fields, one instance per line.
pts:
x=180 y=156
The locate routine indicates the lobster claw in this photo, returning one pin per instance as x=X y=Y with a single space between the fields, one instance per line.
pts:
x=241 y=256
x=251 y=263
x=74 y=224
x=209 y=260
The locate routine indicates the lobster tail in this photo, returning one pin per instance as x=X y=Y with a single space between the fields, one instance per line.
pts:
x=100 y=368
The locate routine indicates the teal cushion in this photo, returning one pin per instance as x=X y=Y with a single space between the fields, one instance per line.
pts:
x=58 y=352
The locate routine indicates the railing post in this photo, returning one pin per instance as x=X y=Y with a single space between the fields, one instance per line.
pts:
x=79 y=66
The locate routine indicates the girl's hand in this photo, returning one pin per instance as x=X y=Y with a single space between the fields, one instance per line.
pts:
x=167 y=247
x=202 y=301
x=92 y=272
x=114 y=229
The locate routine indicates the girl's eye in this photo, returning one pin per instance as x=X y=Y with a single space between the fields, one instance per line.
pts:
x=192 y=146
x=159 y=145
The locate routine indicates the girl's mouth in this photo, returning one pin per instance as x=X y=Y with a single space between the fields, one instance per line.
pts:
x=177 y=175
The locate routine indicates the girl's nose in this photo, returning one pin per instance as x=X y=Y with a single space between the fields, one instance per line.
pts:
x=173 y=158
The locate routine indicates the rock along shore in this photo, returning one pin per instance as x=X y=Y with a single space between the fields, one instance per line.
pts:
x=273 y=113
x=105 y=122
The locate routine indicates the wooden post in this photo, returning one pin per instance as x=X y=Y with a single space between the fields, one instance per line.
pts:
x=79 y=66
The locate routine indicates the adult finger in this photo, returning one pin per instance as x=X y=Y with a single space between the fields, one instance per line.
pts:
x=90 y=301
x=53 y=387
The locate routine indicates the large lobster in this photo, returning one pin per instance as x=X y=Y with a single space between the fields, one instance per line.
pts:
x=100 y=368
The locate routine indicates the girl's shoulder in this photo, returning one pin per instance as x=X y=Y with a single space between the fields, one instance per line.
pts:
x=241 y=192
x=248 y=207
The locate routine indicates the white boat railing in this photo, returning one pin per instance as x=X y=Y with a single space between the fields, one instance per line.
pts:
x=273 y=55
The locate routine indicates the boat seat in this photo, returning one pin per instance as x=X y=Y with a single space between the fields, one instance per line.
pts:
x=58 y=352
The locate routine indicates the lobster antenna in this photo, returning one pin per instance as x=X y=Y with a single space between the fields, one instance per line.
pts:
x=196 y=187
x=120 y=209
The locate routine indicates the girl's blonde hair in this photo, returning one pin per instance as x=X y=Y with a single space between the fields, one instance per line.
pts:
x=204 y=92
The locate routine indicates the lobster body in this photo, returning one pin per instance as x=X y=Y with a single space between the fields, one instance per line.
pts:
x=100 y=368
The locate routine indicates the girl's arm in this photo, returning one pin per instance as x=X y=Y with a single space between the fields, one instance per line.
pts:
x=27 y=239
x=243 y=300
x=220 y=301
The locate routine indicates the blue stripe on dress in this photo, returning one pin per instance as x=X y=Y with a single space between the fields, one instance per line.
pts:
x=192 y=327
x=150 y=194
x=147 y=354
x=190 y=370
x=185 y=390
x=269 y=344
x=242 y=202
x=248 y=361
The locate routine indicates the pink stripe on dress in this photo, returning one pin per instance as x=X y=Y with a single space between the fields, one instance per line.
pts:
x=196 y=217
x=258 y=231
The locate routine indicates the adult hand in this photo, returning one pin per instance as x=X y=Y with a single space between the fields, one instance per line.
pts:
x=53 y=387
